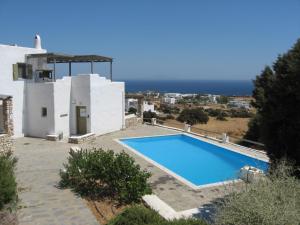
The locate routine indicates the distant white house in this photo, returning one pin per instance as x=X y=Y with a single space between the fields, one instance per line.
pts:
x=188 y=95
x=131 y=103
x=213 y=98
x=43 y=105
x=173 y=95
x=169 y=100
x=148 y=107
x=236 y=103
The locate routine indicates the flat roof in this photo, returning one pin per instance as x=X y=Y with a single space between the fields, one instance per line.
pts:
x=66 y=58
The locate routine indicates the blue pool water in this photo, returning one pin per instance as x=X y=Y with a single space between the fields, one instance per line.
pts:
x=197 y=161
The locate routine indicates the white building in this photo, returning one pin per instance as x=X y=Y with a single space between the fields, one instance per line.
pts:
x=236 y=103
x=131 y=103
x=213 y=98
x=173 y=95
x=148 y=107
x=169 y=100
x=44 y=105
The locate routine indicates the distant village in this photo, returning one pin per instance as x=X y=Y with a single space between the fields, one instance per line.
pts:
x=153 y=101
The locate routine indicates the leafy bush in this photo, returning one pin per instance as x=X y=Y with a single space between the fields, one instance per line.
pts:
x=213 y=112
x=272 y=201
x=241 y=113
x=221 y=117
x=137 y=215
x=140 y=215
x=8 y=185
x=149 y=115
x=170 y=117
x=99 y=173
x=193 y=116
x=168 y=109
x=132 y=110
x=222 y=99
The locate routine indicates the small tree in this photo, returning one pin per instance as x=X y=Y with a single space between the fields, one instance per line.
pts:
x=149 y=115
x=193 y=116
x=132 y=110
x=222 y=99
x=280 y=117
x=277 y=100
x=97 y=172
x=221 y=116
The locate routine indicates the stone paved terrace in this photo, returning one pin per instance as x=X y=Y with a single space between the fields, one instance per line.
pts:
x=178 y=195
x=43 y=203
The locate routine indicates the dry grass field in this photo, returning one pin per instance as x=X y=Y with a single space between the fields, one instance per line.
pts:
x=235 y=127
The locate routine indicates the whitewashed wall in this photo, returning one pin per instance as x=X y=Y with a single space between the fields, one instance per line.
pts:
x=62 y=99
x=10 y=55
x=80 y=96
x=148 y=107
x=39 y=95
x=107 y=105
x=104 y=100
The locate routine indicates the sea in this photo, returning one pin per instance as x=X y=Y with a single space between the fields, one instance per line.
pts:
x=217 y=87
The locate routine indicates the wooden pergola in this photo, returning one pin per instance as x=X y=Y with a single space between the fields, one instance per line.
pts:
x=66 y=58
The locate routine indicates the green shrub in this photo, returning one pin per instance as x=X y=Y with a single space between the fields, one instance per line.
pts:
x=170 y=117
x=149 y=115
x=193 y=116
x=272 y=201
x=99 y=173
x=221 y=117
x=8 y=185
x=132 y=110
x=169 y=109
x=213 y=112
x=140 y=215
x=137 y=215
x=240 y=113
x=222 y=99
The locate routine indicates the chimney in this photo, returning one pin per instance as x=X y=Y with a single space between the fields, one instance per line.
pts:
x=37 y=42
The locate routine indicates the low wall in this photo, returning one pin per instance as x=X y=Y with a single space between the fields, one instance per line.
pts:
x=6 y=143
x=132 y=120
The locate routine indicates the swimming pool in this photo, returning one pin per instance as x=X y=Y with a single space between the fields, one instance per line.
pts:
x=192 y=160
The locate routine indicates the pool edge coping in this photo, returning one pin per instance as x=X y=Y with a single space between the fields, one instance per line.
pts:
x=170 y=172
x=166 y=211
x=159 y=205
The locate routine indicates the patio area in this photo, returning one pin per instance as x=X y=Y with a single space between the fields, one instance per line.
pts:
x=42 y=202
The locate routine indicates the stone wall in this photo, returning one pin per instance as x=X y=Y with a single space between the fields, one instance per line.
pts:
x=8 y=116
x=6 y=143
x=81 y=139
x=132 y=120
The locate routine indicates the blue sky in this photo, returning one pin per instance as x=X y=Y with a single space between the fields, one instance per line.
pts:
x=160 y=39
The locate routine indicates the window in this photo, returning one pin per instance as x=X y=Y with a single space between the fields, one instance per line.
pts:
x=44 y=112
x=22 y=71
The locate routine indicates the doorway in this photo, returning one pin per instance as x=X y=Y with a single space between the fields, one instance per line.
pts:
x=81 y=119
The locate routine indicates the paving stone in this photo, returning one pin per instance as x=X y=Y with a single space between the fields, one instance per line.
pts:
x=38 y=173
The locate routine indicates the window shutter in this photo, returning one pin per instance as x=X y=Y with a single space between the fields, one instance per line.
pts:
x=29 y=71
x=15 y=72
